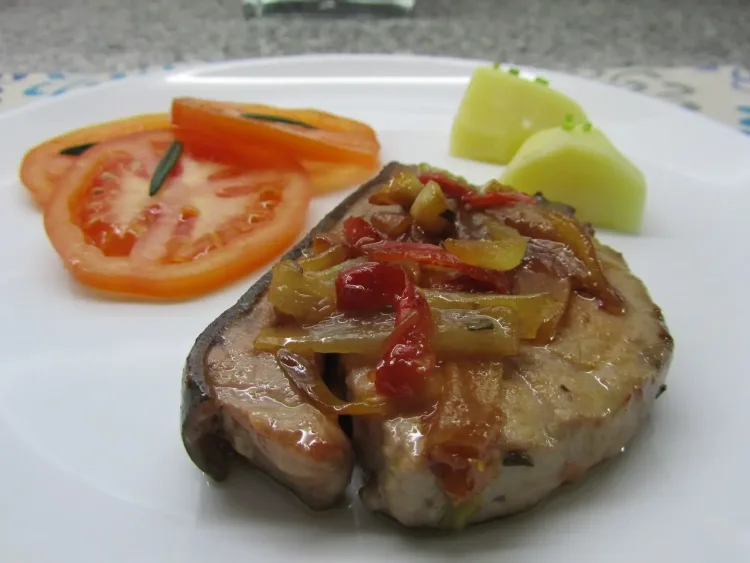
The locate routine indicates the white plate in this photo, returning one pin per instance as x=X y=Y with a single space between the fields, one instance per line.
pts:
x=92 y=465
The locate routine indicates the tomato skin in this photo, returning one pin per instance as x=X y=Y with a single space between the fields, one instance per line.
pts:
x=43 y=166
x=332 y=138
x=172 y=281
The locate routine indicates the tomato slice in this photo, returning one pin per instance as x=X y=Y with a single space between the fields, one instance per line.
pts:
x=328 y=177
x=43 y=165
x=222 y=211
x=307 y=134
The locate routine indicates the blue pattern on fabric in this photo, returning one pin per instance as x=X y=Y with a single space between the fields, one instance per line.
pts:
x=741 y=79
x=58 y=83
x=744 y=121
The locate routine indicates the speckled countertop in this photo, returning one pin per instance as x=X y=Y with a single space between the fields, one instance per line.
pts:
x=94 y=35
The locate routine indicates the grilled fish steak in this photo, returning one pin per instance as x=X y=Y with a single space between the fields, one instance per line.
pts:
x=545 y=416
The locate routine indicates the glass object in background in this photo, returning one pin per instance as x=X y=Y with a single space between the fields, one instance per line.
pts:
x=255 y=8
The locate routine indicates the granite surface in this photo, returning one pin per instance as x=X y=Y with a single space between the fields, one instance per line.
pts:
x=94 y=35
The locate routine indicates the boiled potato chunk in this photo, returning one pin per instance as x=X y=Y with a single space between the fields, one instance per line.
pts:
x=578 y=165
x=501 y=109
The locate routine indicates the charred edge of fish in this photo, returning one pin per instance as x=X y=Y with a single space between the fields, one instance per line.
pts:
x=202 y=432
x=517 y=458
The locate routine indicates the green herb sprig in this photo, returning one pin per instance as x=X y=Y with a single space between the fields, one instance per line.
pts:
x=165 y=166
x=77 y=150
x=277 y=119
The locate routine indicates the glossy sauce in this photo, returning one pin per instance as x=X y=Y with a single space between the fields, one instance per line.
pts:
x=459 y=401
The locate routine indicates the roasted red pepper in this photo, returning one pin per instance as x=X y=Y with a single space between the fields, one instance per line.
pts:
x=419 y=252
x=450 y=186
x=368 y=287
x=460 y=190
x=358 y=231
x=408 y=357
x=497 y=199
x=429 y=254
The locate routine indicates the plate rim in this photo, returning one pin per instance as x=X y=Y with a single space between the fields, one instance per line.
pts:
x=459 y=62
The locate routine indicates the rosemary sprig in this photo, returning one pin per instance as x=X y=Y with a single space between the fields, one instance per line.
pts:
x=277 y=119
x=165 y=166
x=77 y=150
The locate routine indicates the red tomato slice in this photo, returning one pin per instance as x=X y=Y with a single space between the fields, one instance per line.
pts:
x=328 y=177
x=306 y=134
x=223 y=211
x=43 y=166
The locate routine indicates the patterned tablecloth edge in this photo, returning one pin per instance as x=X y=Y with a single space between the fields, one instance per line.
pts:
x=721 y=91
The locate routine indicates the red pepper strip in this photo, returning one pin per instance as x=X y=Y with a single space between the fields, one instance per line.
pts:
x=358 y=231
x=457 y=189
x=408 y=357
x=368 y=287
x=429 y=254
x=422 y=253
x=497 y=199
x=450 y=186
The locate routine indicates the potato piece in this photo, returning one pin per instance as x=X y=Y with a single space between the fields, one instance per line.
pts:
x=500 y=110
x=579 y=166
